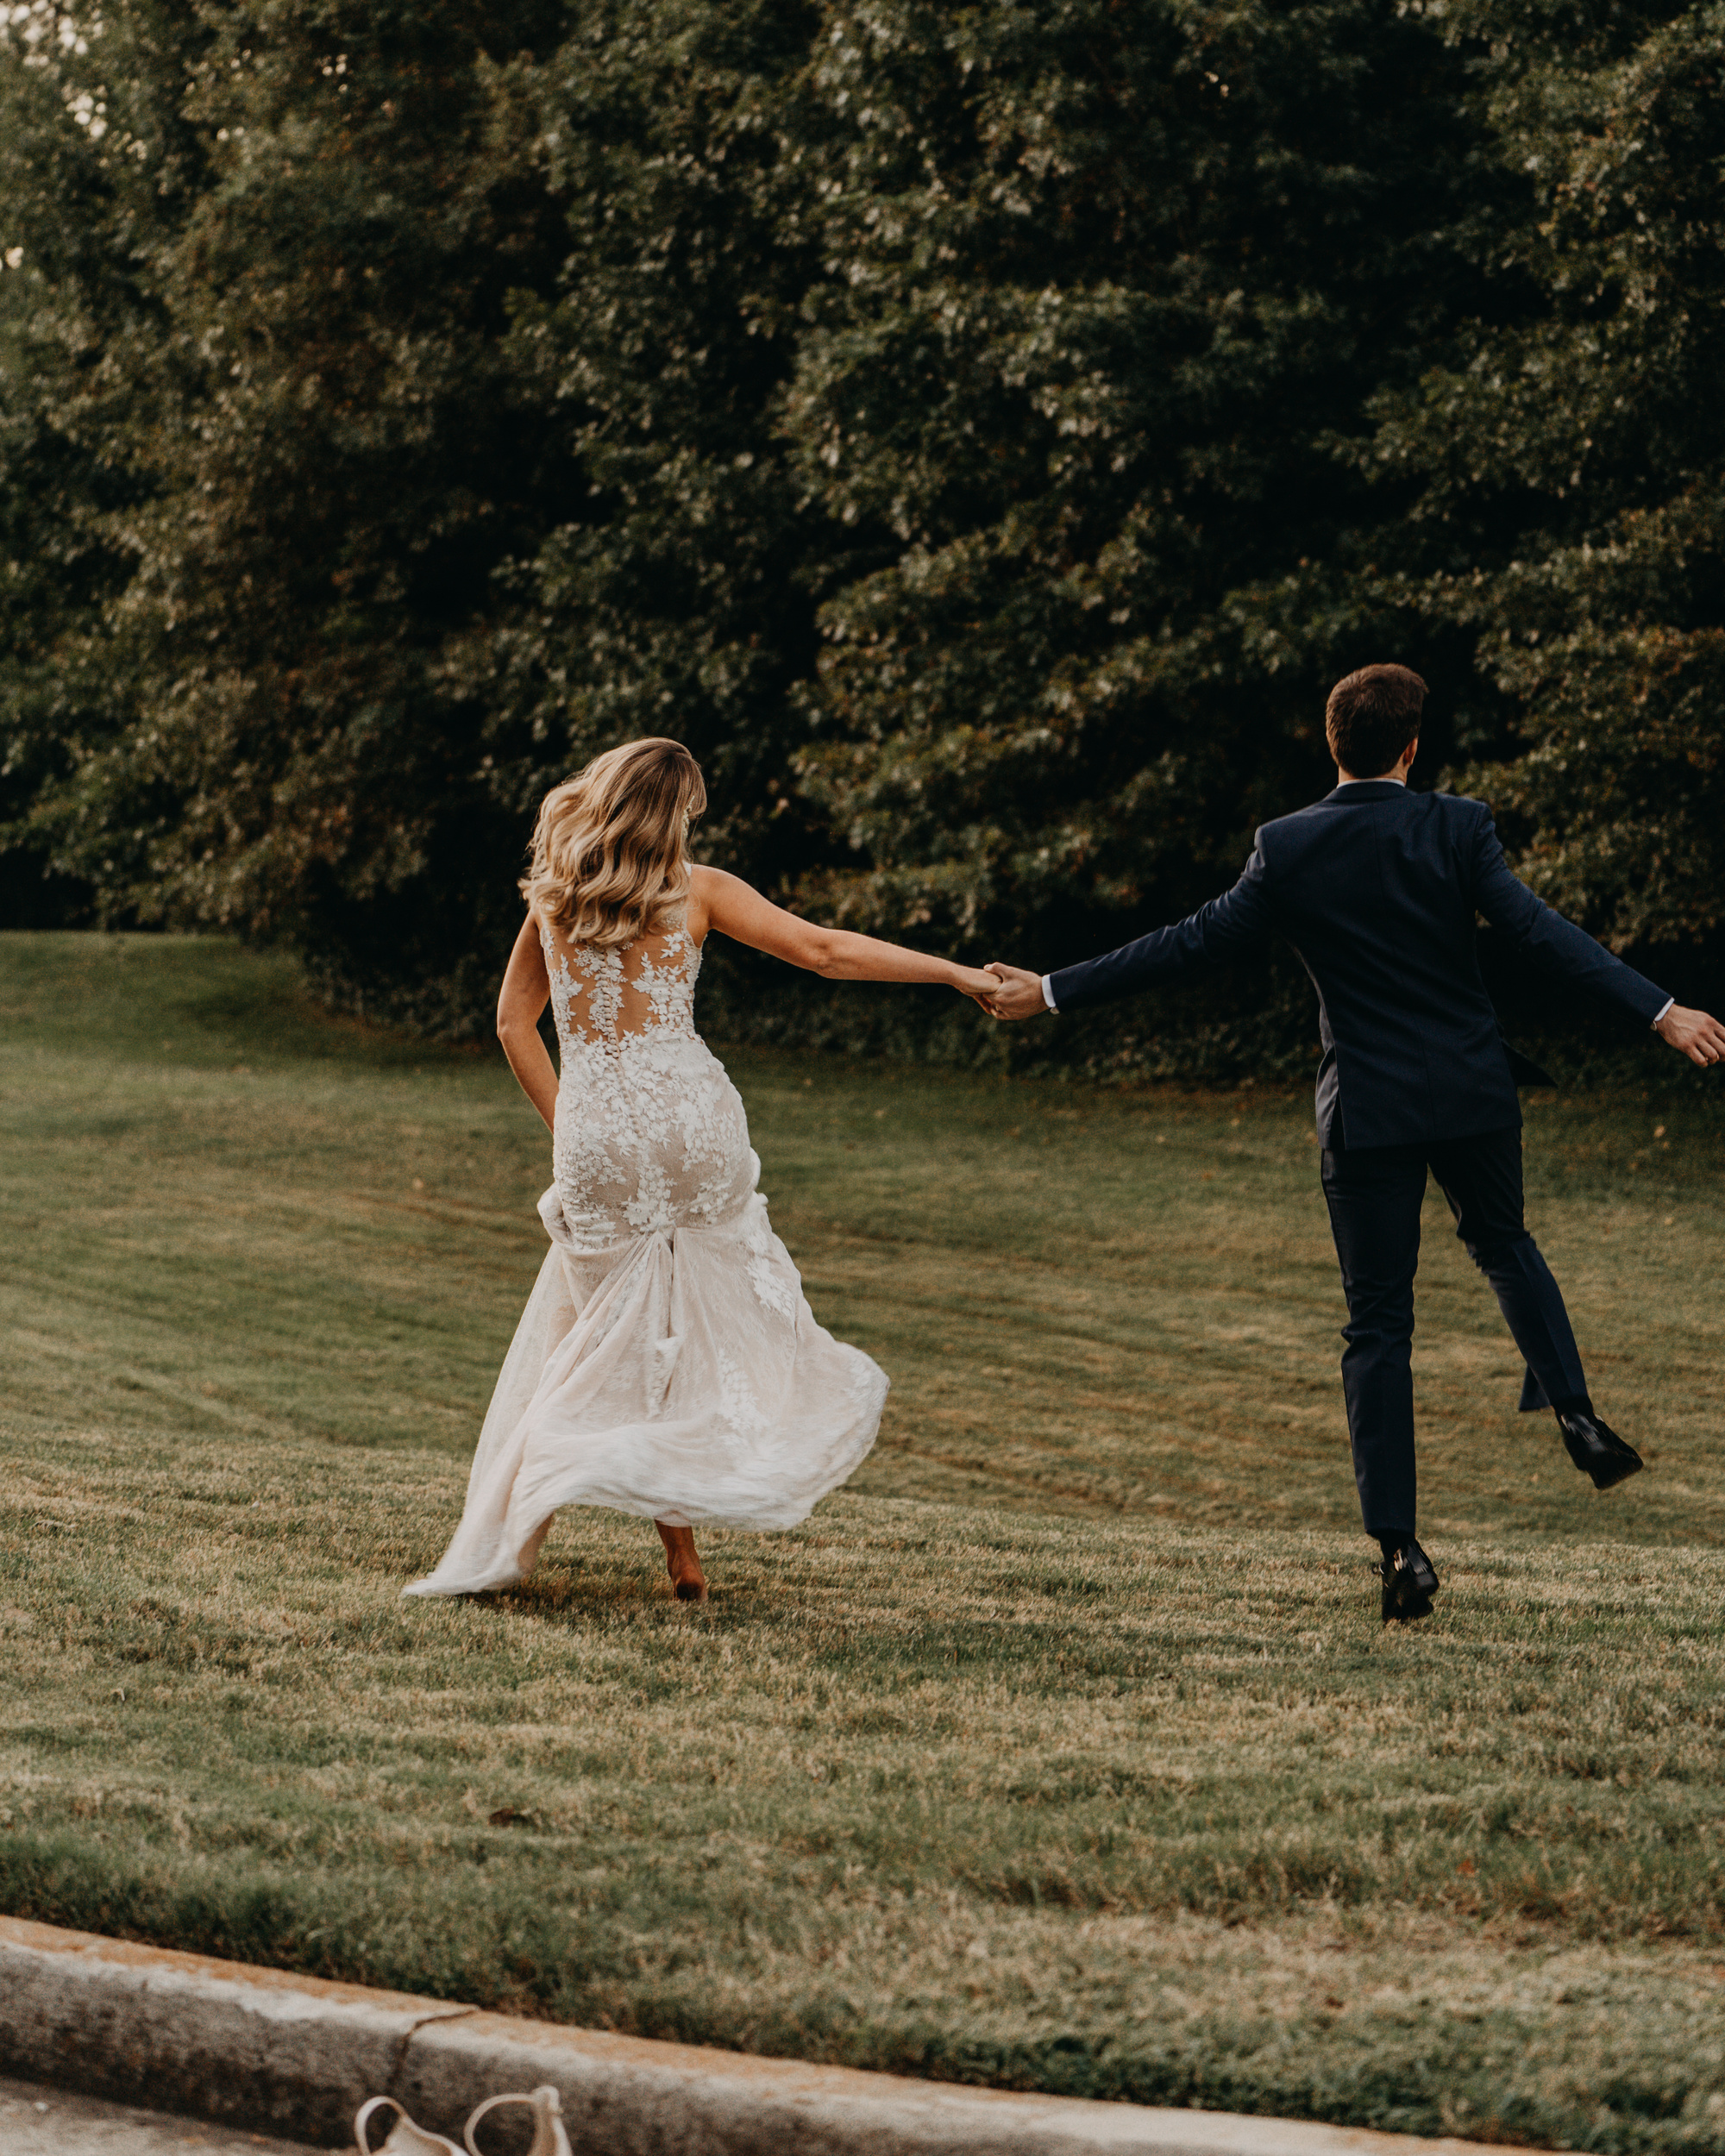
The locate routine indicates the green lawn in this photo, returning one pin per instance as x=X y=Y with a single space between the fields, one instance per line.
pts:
x=1063 y=1750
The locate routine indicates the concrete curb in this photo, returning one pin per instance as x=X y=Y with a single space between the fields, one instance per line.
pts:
x=293 y=2056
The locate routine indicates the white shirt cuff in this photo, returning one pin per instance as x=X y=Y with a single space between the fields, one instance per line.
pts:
x=1048 y=997
x=1669 y=1001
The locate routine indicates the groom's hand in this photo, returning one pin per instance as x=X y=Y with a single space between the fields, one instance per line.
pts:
x=1692 y=1033
x=1020 y=995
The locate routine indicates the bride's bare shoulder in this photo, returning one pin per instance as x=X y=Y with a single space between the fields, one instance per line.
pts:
x=711 y=891
x=715 y=886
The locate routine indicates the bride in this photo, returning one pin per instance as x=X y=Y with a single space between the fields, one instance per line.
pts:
x=667 y=1364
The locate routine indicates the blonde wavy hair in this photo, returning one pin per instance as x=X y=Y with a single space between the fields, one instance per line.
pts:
x=611 y=848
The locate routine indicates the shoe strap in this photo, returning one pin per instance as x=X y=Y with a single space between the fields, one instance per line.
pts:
x=550 y=2140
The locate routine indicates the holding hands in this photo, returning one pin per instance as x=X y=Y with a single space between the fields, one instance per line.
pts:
x=1003 y=991
x=1017 y=994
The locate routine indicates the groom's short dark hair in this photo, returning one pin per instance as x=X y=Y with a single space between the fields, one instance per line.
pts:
x=1371 y=717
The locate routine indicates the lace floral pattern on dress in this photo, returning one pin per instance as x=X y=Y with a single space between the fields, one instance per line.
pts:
x=776 y=1285
x=650 y=1135
x=665 y=981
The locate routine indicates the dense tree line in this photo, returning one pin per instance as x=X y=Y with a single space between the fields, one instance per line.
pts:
x=982 y=432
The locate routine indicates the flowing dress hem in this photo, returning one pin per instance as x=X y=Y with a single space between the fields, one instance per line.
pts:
x=493 y=1578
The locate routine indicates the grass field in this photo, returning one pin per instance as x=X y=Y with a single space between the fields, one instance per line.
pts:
x=1063 y=1751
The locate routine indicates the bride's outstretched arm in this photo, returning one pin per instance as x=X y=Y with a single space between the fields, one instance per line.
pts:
x=526 y=990
x=737 y=910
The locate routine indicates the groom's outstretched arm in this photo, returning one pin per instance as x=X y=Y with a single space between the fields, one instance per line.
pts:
x=1562 y=948
x=1559 y=946
x=1236 y=922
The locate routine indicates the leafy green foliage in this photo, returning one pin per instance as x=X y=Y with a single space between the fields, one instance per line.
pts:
x=300 y=380
x=1111 y=280
x=675 y=592
x=982 y=432
x=1570 y=458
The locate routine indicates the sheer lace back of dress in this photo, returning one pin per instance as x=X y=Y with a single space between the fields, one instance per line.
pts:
x=605 y=998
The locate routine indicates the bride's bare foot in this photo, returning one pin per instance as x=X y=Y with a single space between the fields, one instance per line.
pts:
x=682 y=1562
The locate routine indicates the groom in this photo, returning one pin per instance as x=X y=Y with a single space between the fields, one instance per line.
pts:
x=1377 y=889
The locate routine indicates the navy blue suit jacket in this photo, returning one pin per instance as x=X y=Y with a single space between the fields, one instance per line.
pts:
x=1379 y=890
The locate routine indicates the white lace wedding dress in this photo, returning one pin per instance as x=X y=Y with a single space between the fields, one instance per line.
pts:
x=668 y=1363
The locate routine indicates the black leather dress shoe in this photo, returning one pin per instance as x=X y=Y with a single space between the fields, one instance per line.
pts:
x=1409 y=1583
x=1596 y=1448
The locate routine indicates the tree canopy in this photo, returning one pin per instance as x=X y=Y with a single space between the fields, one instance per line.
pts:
x=982 y=432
